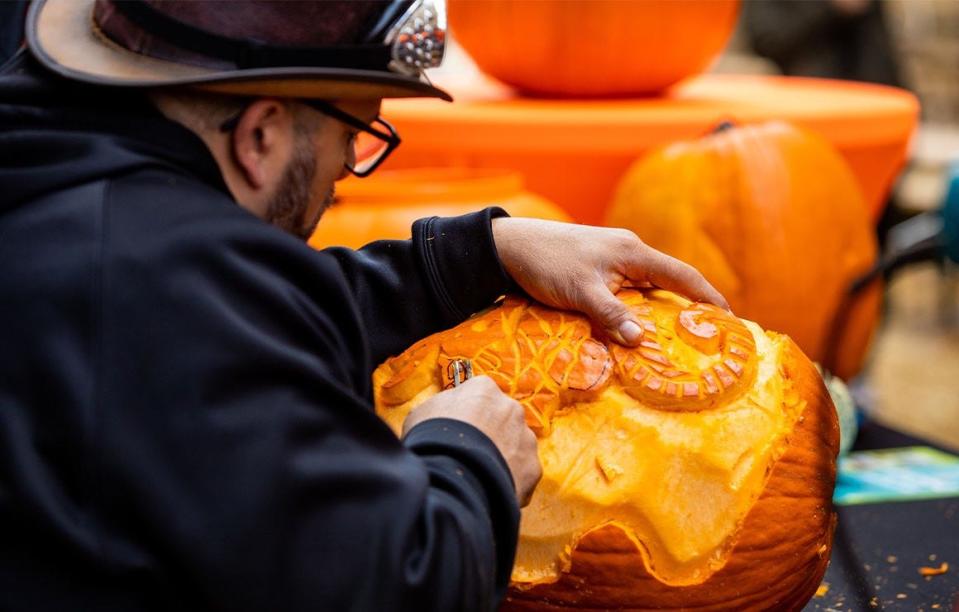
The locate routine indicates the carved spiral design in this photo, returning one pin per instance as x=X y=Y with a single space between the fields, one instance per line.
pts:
x=722 y=365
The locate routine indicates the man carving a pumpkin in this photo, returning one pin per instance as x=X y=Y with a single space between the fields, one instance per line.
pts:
x=187 y=409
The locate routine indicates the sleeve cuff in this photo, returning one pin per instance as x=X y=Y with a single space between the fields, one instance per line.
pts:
x=466 y=442
x=461 y=261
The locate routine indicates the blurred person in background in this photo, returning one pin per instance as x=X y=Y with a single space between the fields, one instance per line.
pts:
x=836 y=39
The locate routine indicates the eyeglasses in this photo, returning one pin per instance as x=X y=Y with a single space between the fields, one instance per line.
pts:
x=372 y=144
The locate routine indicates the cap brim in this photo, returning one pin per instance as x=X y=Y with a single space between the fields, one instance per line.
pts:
x=61 y=35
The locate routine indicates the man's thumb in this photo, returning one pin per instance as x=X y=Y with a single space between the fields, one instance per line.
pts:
x=606 y=309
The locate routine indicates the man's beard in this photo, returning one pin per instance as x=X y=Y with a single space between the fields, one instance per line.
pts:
x=288 y=207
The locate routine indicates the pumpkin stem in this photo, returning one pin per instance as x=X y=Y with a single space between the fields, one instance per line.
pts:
x=724 y=125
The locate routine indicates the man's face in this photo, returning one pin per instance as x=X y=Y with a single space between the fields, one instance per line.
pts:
x=322 y=146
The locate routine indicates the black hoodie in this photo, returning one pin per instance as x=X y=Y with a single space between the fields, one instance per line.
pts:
x=185 y=401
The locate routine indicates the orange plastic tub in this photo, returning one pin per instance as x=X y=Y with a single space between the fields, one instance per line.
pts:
x=385 y=204
x=574 y=152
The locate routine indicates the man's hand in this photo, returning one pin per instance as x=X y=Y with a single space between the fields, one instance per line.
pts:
x=578 y=267
x=480 y=403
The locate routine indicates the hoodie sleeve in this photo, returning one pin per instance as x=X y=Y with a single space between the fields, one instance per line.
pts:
x=406 y=290
x=232 y=449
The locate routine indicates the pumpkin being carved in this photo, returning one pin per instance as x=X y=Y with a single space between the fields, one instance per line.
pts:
x=694 y=471
x=774 y=218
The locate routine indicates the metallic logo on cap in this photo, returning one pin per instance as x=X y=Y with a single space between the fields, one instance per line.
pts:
x=418 y=39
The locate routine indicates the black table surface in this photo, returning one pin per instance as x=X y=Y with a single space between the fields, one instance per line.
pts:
x=880 y=547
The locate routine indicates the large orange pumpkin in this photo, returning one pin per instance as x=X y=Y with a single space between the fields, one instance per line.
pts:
x=773 y=217
x=594 y=48
x=693 y=472
x=385 y=205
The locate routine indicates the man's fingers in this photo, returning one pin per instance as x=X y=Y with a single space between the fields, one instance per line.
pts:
x=536 y=468
x=600 y=305
x=661 y=270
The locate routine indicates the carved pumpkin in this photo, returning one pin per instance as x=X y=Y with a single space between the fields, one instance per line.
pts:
x=595 y=48
x=695 y=471
x=773 y=217
x=385 y=205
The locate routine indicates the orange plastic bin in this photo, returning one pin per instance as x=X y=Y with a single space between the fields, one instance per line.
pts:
x=574 y=152
x=385 y=204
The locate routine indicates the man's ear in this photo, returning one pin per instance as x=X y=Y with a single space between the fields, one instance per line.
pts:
x=261 y=142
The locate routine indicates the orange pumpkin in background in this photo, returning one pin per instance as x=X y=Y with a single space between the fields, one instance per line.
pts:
x=773 y=217
x=385 y=205
x=595 y=48
x=692 y=472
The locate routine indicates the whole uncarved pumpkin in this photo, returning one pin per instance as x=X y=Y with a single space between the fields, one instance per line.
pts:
x=595 y=48
x=692 y=472
x=774 y=218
